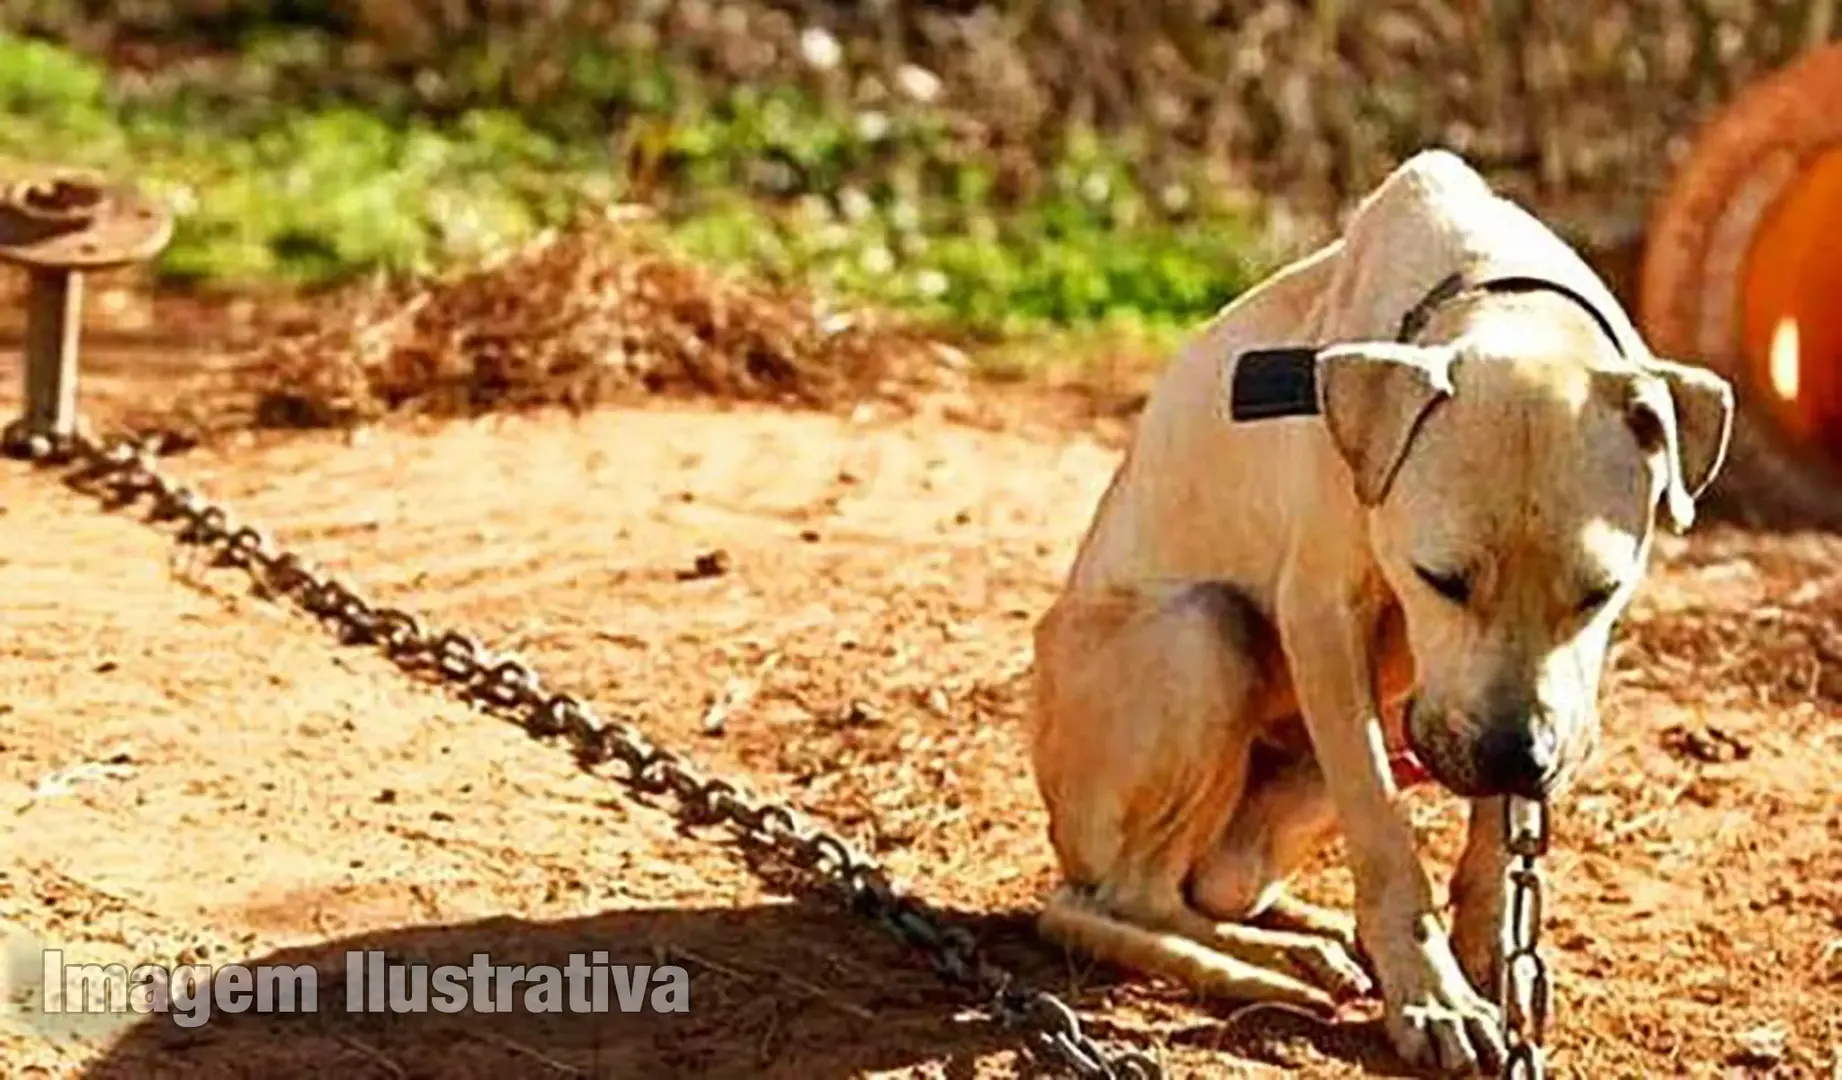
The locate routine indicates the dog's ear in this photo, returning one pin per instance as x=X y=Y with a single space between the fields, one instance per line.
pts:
x=1691 y=423
x=1374 y=396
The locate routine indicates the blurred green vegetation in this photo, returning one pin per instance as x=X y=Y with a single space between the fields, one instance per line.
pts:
x=285 y=195
x=1002 y=162
x=291 y=166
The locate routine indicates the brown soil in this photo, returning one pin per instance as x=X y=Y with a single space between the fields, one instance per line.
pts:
x=276 y=795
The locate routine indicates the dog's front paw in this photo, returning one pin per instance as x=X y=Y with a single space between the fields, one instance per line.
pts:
x=1434 y=1016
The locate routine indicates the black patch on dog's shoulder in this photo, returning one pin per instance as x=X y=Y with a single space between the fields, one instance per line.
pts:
x=1271 y=383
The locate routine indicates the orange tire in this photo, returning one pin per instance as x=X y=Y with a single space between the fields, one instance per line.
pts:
x=1743 y=272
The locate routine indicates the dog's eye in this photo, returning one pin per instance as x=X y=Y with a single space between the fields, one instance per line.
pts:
x=1597 y=597
x=1454 y=587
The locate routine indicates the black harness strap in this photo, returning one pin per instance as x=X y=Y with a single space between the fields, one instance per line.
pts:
x=1270 y=383
x=1454 y=286
x=1278 y=382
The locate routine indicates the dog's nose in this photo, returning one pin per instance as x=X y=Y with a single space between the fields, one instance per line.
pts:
x=1518 y=759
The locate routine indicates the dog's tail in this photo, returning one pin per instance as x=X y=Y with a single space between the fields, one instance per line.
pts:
x=1074 y=918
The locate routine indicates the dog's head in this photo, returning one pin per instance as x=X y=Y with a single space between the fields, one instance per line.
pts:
x=1513 y=477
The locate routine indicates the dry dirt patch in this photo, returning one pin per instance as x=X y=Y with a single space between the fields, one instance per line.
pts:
x=875 y=587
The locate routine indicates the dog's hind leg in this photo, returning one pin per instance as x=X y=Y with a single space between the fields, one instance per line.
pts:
x=1146 y=708
x=1286 y=815
x=1180 y=947
x=1140 y=737
x=1241 y=883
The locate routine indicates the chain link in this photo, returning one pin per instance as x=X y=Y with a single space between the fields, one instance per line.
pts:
x=1526 y=994
x=121 y=473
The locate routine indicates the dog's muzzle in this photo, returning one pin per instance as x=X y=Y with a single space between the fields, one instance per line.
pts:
x=1519 y=757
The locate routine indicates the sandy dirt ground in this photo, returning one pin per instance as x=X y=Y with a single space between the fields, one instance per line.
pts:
x=192 y=773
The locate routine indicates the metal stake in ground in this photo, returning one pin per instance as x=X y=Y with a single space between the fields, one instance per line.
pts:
x=59 y=225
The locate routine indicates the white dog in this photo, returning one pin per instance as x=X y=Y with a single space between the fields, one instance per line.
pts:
x=1387 y=504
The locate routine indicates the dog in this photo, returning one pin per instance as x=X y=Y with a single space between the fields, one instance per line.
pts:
x=1381 y=513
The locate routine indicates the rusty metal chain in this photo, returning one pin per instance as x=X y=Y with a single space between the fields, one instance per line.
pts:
x=121 y=474
x=1526 y=994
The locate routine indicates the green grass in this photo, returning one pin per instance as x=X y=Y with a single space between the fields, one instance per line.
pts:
x=276 y=186
x=290 y=196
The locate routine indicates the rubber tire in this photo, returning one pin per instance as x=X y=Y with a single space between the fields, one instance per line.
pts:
x=1694 y=260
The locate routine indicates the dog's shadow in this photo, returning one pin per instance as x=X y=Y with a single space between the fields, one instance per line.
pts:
x=799 y=989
